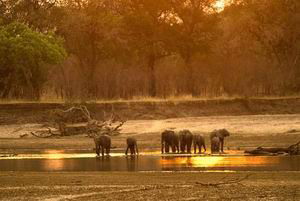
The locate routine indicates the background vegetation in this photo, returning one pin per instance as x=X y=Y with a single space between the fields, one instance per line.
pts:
x=104 y=49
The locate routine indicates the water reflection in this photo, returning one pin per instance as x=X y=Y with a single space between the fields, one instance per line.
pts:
x=132 y=163
x=218 y=161
x=53 y=165
x=55 y=154
x=60 y=161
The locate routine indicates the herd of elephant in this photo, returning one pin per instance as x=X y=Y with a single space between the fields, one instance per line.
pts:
x=171 y=141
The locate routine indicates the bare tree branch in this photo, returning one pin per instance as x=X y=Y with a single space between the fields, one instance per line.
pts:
x=232 y=181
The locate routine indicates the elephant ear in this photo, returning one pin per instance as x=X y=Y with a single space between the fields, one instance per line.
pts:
x=214 y=133
x=224 y=132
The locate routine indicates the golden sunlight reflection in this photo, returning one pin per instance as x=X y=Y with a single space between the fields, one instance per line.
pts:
x=55 y=154
x=53 y=165
x=217 y=161
x=191 y=161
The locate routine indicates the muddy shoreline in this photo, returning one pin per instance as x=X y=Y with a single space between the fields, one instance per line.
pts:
x=148 y=185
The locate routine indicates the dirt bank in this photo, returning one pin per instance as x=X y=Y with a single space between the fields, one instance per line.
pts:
x=148 y=186
x=39 y=112
x=246 y=131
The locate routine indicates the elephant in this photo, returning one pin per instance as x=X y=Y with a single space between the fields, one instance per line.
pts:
x=221 y=134
x=102 y=142
x=169 y=139
x=175 y=144
x=215 y=145
x=185 y=139
x=132 y=145
x=199 y=142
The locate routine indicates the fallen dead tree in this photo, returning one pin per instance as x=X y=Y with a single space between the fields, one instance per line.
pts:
x=111 y=126
x=45 y=134
x=294 y=149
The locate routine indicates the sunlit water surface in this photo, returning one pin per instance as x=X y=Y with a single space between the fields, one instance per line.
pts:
x=55 y=160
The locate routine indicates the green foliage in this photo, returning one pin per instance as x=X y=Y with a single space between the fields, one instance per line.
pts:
x=25 y=55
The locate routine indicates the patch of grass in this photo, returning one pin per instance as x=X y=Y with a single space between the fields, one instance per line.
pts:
x=148 y=99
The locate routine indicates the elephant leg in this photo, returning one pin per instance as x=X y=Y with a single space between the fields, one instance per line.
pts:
x=189 y=149
x=136 y=149
x=204 y=147
x=189 y=146
x=107 y=150
x=195 y=148
x=97 y=149
x=199 y=148
x=126 y=152
x=102 y=150
x=173 y=148
x=162 y=147
x=170 y=148
x=132 y=151
x=167 y=148
x=222 y=145
x=217 y=148
x=212 y=147
x=182 y=148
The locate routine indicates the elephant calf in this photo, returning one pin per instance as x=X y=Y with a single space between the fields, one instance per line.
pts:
x=169 y=139
x=199 y=142
x=185 y=139
x=102 y=143
x=221 y=134
x=215 y=145
x=132 y=145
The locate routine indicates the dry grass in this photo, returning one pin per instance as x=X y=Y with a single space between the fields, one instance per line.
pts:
x=147 y=99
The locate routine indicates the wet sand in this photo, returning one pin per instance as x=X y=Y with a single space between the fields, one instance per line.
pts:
x=148 y=186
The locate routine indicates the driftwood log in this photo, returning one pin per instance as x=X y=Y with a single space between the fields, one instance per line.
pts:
x=111 y=126
x=291 y=150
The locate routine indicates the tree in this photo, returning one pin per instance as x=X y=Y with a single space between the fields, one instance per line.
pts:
x=145 y=24
x=24 y=58
x=275 y=26
x=267 y=34
x=90 y=31
x=40 y=14
x=194 y=30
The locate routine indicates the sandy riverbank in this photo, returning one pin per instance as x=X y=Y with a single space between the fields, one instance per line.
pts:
x=246 y=131
x=148 y=186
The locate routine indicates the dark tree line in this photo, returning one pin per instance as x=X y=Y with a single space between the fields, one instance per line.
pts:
x=160 y=48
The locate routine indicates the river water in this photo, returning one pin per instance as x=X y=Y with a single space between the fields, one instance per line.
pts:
x=56 y=160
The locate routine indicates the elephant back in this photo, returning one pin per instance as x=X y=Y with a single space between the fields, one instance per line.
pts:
x=167 y=135
x=198 y=138
x=104 y=140
x=185 y=135
x=131 y=141
x=220 y=133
